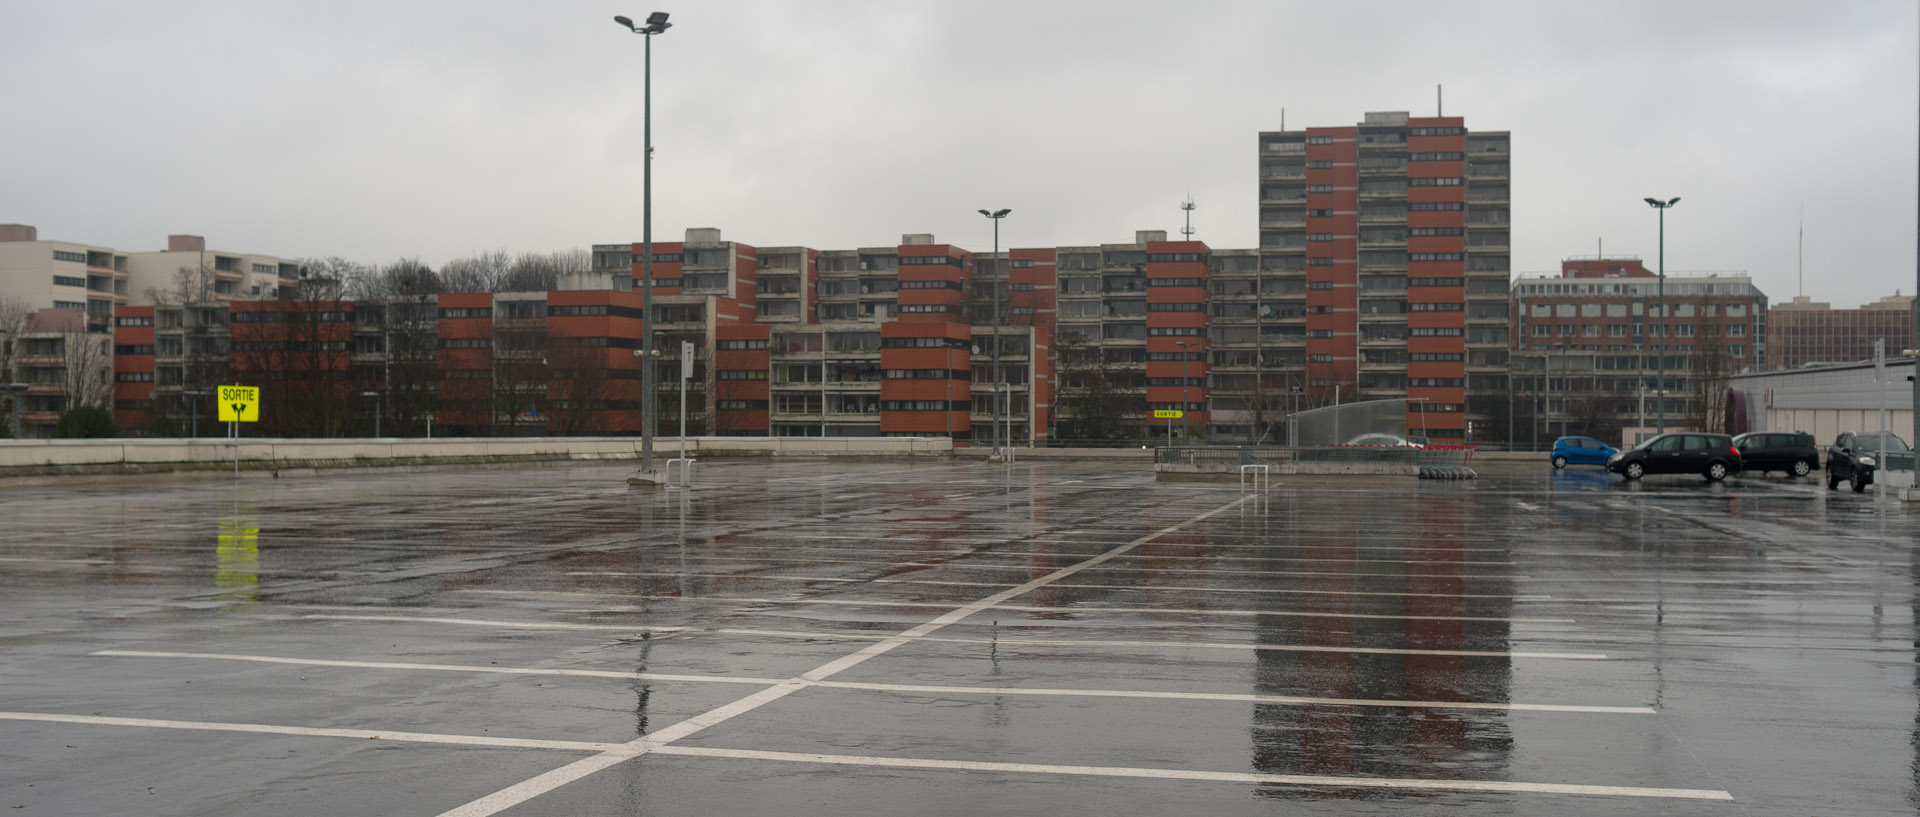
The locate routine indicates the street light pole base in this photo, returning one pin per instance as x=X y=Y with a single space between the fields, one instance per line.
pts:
x=646 y=479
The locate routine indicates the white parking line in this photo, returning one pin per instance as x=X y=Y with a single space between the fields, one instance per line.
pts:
x=1157 y=588
x=402 y=665
x=963 y=562
x=1069 y=609
x=308 y=731
x=521 y=792
x=482 y=622
x=1186 y=774
x=1291 y=700
x=1008 y=642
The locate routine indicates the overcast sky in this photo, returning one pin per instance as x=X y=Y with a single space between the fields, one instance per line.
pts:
x=376 y=130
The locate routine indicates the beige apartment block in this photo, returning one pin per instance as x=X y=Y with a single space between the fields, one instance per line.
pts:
x=37 y=275
x=187 y=272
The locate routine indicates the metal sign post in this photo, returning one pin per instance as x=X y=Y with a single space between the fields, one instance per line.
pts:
x=238 y=404
x=686 y=373
x=1169 y=415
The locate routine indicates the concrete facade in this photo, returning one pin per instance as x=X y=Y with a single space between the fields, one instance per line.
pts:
x=1826 y=401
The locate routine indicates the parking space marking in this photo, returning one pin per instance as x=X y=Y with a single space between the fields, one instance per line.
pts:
x=1074 y=608
x=309 y=731
x=1196 y=645
x=1293 y=700
x=528 y=789
x=1504 y=786
x=810 y=635
x=962 y=562
x=487 y=622
x=1156 y=588
x=404 y=665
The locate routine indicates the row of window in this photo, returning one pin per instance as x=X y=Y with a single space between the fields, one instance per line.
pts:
x=931 y=261
x=1444 y=156
x=740 y=345
x=1443 y=306
x=1436 y=181
x=68 y=281
x=1176 y=282
x=924 y=343
x=953 y=285
x=1437 y=382
x=926 y=405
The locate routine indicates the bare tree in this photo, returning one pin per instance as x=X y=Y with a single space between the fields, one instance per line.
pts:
x=520 y=372
x=88 y=378
x=1708 y=368
x=1091 y=406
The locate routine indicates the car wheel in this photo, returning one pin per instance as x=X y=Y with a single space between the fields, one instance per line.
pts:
x=1559 y=462
x=1802 y=468
x=1634 y=470
x=1859 y=485
x=1716 y=471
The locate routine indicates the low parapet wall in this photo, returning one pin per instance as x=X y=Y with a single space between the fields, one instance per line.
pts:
x=54 y=457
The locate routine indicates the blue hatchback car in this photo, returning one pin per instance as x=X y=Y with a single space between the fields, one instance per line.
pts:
x=1580 y=451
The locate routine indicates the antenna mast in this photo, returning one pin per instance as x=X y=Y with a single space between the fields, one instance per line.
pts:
x=1188 y=207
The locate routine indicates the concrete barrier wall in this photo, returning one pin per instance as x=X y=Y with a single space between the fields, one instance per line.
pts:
x=55 y=456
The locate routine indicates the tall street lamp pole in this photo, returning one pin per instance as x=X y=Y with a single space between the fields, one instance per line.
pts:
x=996 y=215
x=649 y=386
x=1660 y=365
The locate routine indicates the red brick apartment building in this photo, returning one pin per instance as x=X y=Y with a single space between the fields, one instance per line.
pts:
x=1384 y=252
x=1382 y=273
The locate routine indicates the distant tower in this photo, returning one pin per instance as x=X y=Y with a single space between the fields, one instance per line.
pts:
x=1188 y=207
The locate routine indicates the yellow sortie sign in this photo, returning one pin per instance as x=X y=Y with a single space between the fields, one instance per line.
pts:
x=239 y=404
x=1165 y=414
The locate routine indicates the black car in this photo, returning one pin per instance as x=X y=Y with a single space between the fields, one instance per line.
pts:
x=1794 y=452
x=1856 y=455
x=1709 y=455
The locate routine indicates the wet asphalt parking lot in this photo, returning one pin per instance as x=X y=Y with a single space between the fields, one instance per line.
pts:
x=809 y=638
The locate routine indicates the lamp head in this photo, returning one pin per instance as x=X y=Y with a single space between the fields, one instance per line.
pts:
x=1673 y=201
x=657 y=22
x=1002 y=212
x=1653 y=201
x=623 y=20
x=987 y=214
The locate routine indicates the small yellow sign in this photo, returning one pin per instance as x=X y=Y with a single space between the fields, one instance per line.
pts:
x=1166 y=414
x=239 y=404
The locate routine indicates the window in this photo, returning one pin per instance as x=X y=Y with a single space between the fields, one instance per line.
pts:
x=1437 y=332
x=1446 y=131
x=1437 y=157
x=1442 y=306
x=1310 y=237
x=1435 y=256
x=1319 y=164
x=1736 y=330
x=1430 y=231
x=734 y=345
x=134 y=377
x=133 y=320
x=75 y=257
x=1436 y=181
x=742 y=374
x=1436 y=282
x=1435 y=206
x=1319 y=140
x=1319 y=188
x=1541 y=330
x=68 y=281
x=464 y=312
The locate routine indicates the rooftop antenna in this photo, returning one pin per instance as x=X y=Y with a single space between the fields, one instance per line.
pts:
x=1188 y=207
x=1283 y=118
x=1800 y=255
x=1439 y=100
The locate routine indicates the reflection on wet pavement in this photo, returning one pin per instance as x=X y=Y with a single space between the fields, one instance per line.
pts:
x=1561 y=642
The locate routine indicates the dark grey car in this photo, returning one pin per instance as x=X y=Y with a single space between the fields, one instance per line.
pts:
x=1709 y=455
x=1793 y=452
x=1856 y=456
